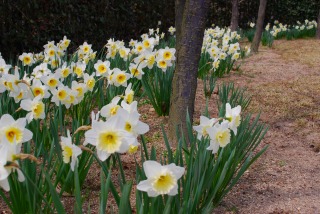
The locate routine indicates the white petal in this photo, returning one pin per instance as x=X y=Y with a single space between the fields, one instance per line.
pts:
x=214 y=147
x=177 y=171
x=5 y=120
x=228 y=110
x=174 y=190
x=144 y=185
x=142 y=128
x=152 y=193
x=203 y=120
x=91 y=137
x=237 y=110
x=21 y=177
x=103 y=155
x=4 y=184
x=151 y=168
x=27 y=135
x=26 y=104
x=3 y=173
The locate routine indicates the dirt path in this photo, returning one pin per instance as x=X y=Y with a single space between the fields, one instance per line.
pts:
x=285 y=85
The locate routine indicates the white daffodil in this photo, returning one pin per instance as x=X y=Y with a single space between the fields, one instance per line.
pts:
x=71 y=99
x=64 y=71
x=167 y=53
x=172 y=30
x=26 y=59
x=35 y=107
x=85 y=48
x=60 y=94
x=160 y=179
x=109 y=137
x=136 y=70
x=8 y=152
x=214 y=146
x=102 y=68
x=163 y=64
x=128 y=94
x=148 y=43
x=132 y=123
x=13 y=130
x=81 y=88
x=124 y=53
x=131 y=108
x=220 y=134
x=78 y=68
x=233 y=116
x=23 y=92
x=120 y=77
x=205 y=123
x=4 y=173
x=110 y=109
x=69 y=150
x=89 y=81
x=4 y=68
x=38 y=89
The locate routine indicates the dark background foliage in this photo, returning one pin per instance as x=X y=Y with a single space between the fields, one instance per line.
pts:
x=26 y=25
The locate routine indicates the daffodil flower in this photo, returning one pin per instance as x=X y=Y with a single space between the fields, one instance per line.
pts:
x=233 y=116
x=109 y=137
x=219 y=134
x=35 y=107
x=70 y=151
x=205 y=123
x=13 y=130
x=160 y=179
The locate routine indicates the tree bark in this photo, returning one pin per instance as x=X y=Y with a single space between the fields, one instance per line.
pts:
x=179 y=10
x=235 y=15
x=318 y=28
x=259 y=26
x=188 y=49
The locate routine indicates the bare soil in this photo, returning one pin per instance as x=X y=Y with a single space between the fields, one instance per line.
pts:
x=284 y=83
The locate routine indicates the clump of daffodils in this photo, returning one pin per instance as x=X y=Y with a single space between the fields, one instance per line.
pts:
x=218 y=130
x=117 y=130
x=222 y=45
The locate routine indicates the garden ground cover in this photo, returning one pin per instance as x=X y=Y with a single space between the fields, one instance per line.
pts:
x=284 y=83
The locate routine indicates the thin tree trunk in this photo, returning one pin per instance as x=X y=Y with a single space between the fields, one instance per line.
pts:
x=318 y=28
x=235 y=15
x=189 y=43
x=259 y=26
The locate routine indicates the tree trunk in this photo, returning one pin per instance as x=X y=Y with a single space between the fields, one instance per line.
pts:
x=259 y=26
x=188 y=49
x=179 y=10
x=235 y=15
x=318 y=28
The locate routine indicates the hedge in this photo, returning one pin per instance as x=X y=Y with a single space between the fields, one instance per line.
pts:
x=26 y=25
